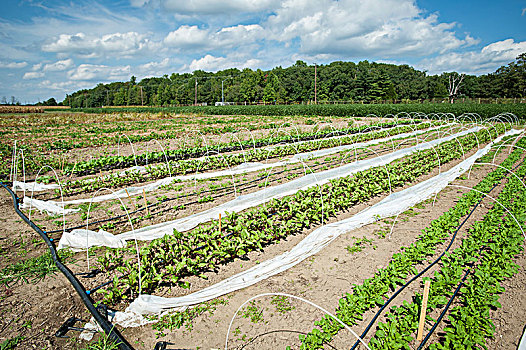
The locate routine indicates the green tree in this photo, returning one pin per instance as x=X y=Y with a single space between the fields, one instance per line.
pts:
x=120 y=98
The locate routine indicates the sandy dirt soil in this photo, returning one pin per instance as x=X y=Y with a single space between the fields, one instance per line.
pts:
x=34 y=310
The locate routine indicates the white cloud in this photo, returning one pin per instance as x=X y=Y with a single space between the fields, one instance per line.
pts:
x=354 y=28
x=192 y=37
x=115 y=44
x=91 y=72
x=211 y=63
x=33 y=75
x=155 y=65
x=488 y=59
x=13 y=65
x=237 y=35
x=187 y=37
x=218 y=7
x=65 y=85
x=36 y=67
x=154 y=69
x=58 y=66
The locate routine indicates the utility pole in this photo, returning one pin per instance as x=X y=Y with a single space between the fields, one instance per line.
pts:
x=195 y=102
x=142 y=101
x=222 y=91
x=315 y=83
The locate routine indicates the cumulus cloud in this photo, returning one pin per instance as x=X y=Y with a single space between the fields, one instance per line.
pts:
x=58 y=66
x=237 y=35
x=355 y=28
x=192 y=37
x=154 y=69
x=91 y=72
x=120 y=44
x=218 y=7
x=211 y=63
x=155 y=65
x=33 y=75
x=187 y=37
x=65 y=85
x=488 y=59
x=12 y=65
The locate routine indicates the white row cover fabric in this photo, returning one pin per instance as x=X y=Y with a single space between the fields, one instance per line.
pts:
x=90 y=238
x=246 y=167
x=240 y=169
x=522 y=344
x=76 y=240
x=214 y=153
x=33 y=186
x=392 y=205
x=50 y=207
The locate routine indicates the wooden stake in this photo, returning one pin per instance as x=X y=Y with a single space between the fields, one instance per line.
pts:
x=219 y=222
x=419 y=335
x=145 y=203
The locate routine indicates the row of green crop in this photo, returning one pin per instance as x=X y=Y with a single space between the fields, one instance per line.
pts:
x=490 y=246
x=344 y=110
x=91 y=136
x=116 y=162
x=375 y=290
x=167 y=261
x=215 y=162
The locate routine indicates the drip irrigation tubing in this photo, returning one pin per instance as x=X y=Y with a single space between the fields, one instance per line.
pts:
x=271 y=215
x=244 y=186
x=371 y=323
x=108 y=328
x=443 y=313
x=38 y=195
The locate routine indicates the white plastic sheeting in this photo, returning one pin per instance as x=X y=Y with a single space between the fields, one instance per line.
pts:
x=240 y=169
x=392 y=205
x=522 y=344
x=50 y=207
x=78 y=241
x=104 y=238
x=213 y=152
x=33 y=186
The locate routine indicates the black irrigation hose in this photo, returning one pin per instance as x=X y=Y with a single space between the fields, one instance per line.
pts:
x=108 y=328
x=442 y=314
x=229 y=234
x=202 y=247
x=371 y=323
x=243 y=187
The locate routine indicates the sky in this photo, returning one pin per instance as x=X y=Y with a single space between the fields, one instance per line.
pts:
x=49 y=48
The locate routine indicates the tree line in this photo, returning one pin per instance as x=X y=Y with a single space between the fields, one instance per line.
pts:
x=336 y=81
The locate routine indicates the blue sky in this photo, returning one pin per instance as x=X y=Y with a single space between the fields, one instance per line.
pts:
x=49 y=48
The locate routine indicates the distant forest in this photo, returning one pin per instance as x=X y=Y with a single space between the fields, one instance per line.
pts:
x=337 y=81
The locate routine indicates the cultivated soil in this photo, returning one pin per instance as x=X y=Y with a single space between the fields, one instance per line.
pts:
x=35 y=309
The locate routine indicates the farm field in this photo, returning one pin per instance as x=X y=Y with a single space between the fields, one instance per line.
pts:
x=244 y=226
